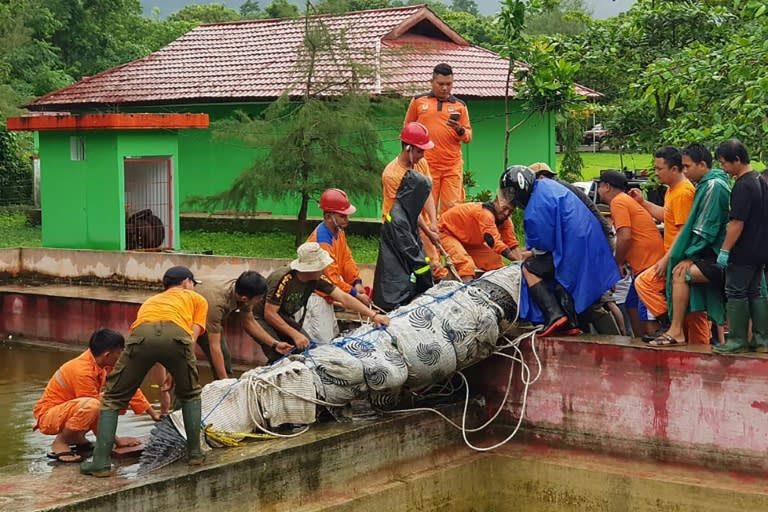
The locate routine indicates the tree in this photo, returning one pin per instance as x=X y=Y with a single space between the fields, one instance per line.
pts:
x=468 y=6
x=544 y=83
x=210 y=13
x=15 y=173
x=281 y=9
x=250 y=10
x=309 y=144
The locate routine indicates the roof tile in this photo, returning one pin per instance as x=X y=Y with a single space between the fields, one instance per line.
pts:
x=261 y=59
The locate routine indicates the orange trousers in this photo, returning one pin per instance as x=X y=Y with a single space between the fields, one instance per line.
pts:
x=79 y=414
x=468 y=259
x=652 y=291
x=447 y=189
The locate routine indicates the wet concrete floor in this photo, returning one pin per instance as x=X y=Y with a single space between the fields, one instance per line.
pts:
x=24 y=372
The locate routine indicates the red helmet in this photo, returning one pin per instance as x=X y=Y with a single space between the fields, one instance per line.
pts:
x=416 y=134
x=335 y=200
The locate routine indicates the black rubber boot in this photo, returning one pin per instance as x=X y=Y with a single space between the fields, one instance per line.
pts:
x=192 y=414
x=758 y=311
x=571 y=328
x=101 y=464
x=738 y=323
x=554 y=316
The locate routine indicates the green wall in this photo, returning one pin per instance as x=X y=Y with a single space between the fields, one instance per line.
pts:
x=83 y=200
x=209 y=166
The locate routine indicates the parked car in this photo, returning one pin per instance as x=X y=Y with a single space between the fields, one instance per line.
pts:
x=596 y=134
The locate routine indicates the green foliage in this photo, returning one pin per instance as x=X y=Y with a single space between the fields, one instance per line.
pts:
x=15 y=172
x=250 y=10
x=572 y=163
x=15 y=232
x=676 y=72
x=570 y=17
x=468 y=6
x=281 y=9
x=266 y=245
x=209 y=13
x=314 y=143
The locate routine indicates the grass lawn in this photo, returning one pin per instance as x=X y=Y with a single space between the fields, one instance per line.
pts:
x=594 y=162
x=14 y=232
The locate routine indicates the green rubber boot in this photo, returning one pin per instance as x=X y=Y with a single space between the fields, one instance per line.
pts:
x=101 y=464
x=191 y=411
x=738 y=323
x=758 y=310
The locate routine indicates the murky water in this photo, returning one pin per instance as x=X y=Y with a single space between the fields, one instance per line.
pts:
x=24 y=372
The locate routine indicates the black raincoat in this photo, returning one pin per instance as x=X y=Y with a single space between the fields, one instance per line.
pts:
x=402 y=270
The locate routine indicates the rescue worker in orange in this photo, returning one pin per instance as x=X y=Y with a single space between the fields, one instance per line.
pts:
x=415 y=142
x=320 y=321
x=69 y=406
x=477 y=235
x=447 y=119
x=165 y=331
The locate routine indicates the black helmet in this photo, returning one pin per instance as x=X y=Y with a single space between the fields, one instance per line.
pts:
x=516 y=184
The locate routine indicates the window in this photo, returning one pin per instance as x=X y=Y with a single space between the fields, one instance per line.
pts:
x=77 y=148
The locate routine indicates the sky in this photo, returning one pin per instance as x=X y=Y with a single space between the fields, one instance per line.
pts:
x=600 y=8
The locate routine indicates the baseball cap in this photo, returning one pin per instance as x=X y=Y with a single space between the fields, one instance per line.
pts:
x=174 y=276
x=614 y=179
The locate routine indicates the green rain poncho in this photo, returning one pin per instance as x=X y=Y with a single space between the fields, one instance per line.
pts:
x=703 y=231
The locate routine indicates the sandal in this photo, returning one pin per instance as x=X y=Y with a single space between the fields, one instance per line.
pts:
x=665 y=340
x=67 y=457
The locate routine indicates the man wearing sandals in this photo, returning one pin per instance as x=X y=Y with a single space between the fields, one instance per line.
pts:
x=69 y=406
x=744 y=252
x=694 y=282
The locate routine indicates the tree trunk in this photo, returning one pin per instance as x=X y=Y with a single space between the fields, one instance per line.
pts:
x=301 y=225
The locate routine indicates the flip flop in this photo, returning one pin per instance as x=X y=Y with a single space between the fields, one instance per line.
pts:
x=665 y=340
x=82 y=447
x=57 y=456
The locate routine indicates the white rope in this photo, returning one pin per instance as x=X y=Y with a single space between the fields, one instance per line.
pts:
x=525 y=377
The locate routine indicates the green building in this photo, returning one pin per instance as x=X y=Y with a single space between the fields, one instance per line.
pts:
x=96 y=178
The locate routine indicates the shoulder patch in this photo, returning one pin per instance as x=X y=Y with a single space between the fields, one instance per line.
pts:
x=324 y=235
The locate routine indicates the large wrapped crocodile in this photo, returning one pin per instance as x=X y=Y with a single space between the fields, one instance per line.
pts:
x=448 y=328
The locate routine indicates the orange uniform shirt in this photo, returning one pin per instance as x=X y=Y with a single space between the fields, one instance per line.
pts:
x=390 y=181
x=647 y=246
x=678 y=202
x=81 y=378
x=475 y=226
x=445 y=157
x=178 y=305
x=343 y=272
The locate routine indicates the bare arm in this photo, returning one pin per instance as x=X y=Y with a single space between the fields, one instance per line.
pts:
x=623 y=242
x=273 y=318
x=197 y=330
x=217 y=355
x=732 y=234
x=656 y=211
x=260 y=335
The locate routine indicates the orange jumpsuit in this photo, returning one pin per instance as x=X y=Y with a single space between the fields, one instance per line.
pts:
x=71 y=398
x=343 y=272
x=678 y=202
x=390 y=181
x=473 y=239
x=445 y=159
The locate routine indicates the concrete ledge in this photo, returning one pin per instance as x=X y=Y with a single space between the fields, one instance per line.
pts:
x=135 y=269
x=615 y=396
x=278 y=474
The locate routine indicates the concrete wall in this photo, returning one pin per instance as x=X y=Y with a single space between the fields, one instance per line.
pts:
x=133 y=268
x=686 y=405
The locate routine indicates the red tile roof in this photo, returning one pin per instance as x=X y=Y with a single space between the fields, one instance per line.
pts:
x=260 y=59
